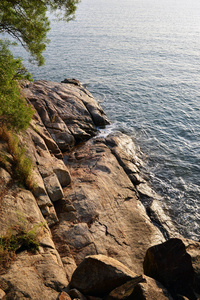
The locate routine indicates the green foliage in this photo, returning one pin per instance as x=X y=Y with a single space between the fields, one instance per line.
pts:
x=17 y=239
x=27 y=22
x=66 y=8
x=21 y=163
x=14 y=111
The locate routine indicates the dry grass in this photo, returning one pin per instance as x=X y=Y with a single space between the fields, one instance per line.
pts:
x=21 y=164
x=16 y=240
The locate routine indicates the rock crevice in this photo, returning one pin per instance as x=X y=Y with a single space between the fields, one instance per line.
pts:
x=90 y=207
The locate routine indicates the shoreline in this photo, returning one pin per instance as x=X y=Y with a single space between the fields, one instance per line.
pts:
x=89 y=206
x=164 y=194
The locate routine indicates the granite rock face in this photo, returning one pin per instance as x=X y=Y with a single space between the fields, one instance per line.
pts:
x=38 y=276
x=123 y=148
x=100 y=212
x=85 y=204
x=68 y=111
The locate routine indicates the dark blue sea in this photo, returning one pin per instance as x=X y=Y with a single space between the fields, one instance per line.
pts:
x=141 y=59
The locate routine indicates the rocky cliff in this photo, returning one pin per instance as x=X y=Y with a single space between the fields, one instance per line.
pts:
x=94 y=215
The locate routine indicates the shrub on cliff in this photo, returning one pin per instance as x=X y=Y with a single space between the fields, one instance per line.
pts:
x=15 y=113
x=27 y=22
x=18 y=238
x=18 y=164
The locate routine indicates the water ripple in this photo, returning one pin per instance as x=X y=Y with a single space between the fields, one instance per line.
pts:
x=143 y=57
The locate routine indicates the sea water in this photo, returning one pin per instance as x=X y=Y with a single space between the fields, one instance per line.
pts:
x=141 y=59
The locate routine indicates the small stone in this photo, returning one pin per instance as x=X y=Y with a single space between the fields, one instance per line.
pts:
x=64 y=296
x=43 y=201
x=51 y=218
x=63 y=175
x=74 y=294
x=150 y=289
x=5 y=176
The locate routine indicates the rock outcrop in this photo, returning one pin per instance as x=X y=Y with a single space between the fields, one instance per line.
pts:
x=38 y=276
x=85 y=206
x=69 y=112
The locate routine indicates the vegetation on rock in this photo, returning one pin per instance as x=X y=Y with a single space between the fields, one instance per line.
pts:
x=17 y=239
x=15 y=113
x=27 y=23
x=18 y=163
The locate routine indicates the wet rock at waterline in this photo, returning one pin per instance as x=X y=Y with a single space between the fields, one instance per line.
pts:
x=90 y=206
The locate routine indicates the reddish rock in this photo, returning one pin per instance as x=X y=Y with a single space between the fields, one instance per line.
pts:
x=69 y=112
x=64 y=296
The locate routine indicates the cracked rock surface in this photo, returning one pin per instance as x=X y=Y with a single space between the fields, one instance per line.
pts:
x=86 y=202
x=69 y=112
x=100 y=212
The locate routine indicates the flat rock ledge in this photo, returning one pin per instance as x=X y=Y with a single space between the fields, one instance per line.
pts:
x=101 y=229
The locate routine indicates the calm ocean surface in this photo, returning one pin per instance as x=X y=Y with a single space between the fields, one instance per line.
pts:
x=142 y=57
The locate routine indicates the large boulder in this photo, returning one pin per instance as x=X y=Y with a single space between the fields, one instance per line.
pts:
x=99 y=274
x=34 y=277
x=170 y=264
